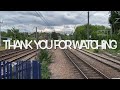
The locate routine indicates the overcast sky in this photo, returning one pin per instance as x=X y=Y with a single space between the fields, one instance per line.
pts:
x=61 y=21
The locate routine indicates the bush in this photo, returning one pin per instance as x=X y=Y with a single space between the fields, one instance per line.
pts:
x=45 y=71
x=45 y=60
x=96 y=51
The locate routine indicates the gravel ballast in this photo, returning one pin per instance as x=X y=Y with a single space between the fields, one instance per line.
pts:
x=61 y=67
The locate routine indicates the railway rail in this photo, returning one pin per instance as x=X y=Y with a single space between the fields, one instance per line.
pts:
x=15 y=55
x=7 y=51
x=87 y=70
x=106 y=58
x=111 y=56
x=109 y=62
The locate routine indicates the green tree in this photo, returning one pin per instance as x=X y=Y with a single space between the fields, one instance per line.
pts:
x=81 y=32
x=4 y=34
x=114 y=21
x=54 y=36
x=13 y=33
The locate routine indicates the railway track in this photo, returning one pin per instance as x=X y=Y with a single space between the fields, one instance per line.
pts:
x=7 y=51
x=88 y=71
x=106 y=58
x=25 y=54
x=111 y=56
x=10 y=53
x=109 y=62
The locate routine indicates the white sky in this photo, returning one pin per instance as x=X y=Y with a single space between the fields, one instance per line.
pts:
x=62 y=21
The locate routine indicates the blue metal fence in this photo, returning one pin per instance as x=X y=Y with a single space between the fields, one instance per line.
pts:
x=20 y=70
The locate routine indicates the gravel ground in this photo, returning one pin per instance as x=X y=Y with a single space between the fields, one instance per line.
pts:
x=102 y=67
x=61 y=67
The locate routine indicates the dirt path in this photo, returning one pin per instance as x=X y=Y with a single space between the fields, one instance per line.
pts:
x=61 y=67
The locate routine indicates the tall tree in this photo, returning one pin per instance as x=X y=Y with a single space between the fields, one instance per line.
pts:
x=81 y=32
x=114 y=21
x=54 y=36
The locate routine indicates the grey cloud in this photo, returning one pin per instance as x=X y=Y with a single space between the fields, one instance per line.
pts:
x=29 y=19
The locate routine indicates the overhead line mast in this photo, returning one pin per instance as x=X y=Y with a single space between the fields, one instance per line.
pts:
x=88 y=26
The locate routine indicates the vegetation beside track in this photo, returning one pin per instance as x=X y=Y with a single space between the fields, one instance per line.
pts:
x=45 y=60
x=2 y=48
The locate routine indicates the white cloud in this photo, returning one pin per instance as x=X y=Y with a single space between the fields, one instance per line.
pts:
x=26 y=20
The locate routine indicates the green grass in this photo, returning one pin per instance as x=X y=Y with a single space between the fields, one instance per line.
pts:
x=114 y=51
x=93 y=50
x=2 y=48
x=45 y=60
x=45 y=70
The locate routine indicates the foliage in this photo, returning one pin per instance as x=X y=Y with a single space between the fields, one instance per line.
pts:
x=45 y=60
x=114 y=21
x=44 y=56
x=16 y=35
x=54 y=36
x=81 y=32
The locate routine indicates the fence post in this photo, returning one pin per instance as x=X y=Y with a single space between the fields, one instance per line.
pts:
x=19 y=70
x=0 y=70
x=22 y=69
x=10 y=70
x=25 y=69
x=29 y=69
x=16 y=70
x=4 y=72
x=35 y=69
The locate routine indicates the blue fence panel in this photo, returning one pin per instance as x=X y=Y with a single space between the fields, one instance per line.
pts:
x=21 y=70
x=18 y=69
x=24 y=69
x=28 y=70
x=35 y=70
x=10 y=71
x=0 y=71
x=4 y=68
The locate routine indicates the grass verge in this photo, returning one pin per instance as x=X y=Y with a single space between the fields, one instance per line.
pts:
x=45 y=60
x=2 y=48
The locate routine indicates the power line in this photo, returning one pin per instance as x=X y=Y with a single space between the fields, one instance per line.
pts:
x=89 y=16
x=43 y=18
x=46 y=20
